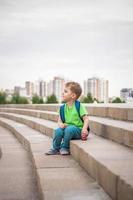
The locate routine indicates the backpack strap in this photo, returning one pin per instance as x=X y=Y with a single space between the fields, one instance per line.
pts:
x=62 y=113
x=77 y=105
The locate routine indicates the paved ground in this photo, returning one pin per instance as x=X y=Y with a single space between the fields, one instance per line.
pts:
x=17 y=179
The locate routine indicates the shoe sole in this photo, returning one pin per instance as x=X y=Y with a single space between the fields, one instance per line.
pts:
x=65 y=154
x=48 y=154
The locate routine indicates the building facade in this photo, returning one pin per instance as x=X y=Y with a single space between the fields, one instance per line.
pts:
x=29 y=86
x=56 y=87
x=42 y=89
x=21 y=91
x=126 y=94
x=98 y=88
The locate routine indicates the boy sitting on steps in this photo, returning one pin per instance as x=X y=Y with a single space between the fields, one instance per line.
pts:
x=73 y=124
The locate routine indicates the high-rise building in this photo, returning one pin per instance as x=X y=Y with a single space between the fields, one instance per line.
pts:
x=36 y=88
x=98 y=88
x=126 y=94
x=29 y=86
x=42 y=88
x=56 y=87
x=58 y=84
x=50 y=88
x=19 y=90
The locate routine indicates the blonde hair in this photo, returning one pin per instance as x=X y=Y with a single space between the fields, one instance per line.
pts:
x=75 y=88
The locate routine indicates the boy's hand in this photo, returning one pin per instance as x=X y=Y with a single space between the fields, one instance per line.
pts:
x=62 y=125
x=84 y=134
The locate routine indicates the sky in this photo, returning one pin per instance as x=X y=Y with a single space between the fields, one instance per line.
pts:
x=75 y=39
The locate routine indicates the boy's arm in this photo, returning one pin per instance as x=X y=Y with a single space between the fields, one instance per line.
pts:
x=60 y=123
x=85 y=125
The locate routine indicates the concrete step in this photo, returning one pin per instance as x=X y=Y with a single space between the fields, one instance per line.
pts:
x=44 y=126
x=0 y=152
x=17 y=178
x=47 y=107
x=114 y=111
x=109 y=163
x=118 y=131
x=58 y=177
x=49 y=115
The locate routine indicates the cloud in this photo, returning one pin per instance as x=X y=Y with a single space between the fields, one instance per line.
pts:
x=48 y=37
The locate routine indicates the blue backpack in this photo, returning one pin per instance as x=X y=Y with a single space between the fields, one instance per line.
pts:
x=62 y=113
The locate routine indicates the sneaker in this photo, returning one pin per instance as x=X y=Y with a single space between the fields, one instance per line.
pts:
x=52 y=152
x=64 y=152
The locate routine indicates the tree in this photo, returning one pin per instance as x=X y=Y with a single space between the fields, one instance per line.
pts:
x=96 y=100
x=3 y=97
x=23 y=100
x=117 y=100
x=17 y=99
x=37 y=100
x=88 y=99
x=41 y=100
x=51 y=99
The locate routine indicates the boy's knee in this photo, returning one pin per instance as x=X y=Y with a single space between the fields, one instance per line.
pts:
x=58 y=132
x=69 y=130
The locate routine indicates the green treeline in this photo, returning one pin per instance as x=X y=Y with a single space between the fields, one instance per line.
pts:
x=17 y=99
x=90 y=99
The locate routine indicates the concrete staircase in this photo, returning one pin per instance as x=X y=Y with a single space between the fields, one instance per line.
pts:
x=107 y=155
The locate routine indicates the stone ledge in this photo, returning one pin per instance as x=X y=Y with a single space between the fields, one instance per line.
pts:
x=0 y=152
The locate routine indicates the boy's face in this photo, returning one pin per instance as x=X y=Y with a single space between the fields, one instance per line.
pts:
x=68 y=95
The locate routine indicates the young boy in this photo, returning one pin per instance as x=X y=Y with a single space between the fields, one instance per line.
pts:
x=74 y=127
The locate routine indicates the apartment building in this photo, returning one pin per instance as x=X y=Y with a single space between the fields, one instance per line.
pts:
x=29 y=86
x=56 y=87
x=126 y=94
x=97 y=87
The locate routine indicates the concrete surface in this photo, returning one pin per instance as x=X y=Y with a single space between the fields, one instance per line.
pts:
x=17 y=179
x=58 y=177
x=0 y=152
